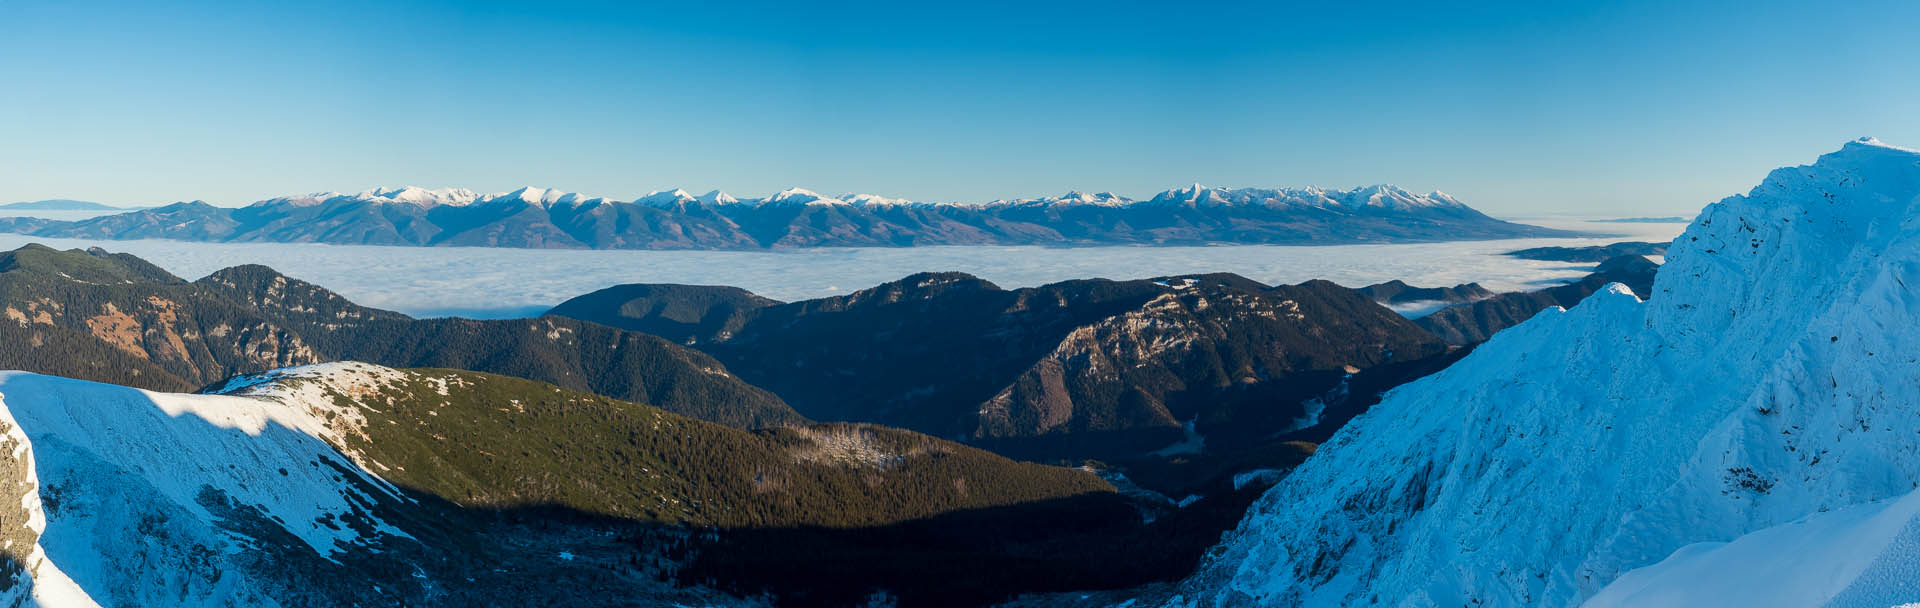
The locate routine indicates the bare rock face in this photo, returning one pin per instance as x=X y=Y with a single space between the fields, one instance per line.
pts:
x=20 y=519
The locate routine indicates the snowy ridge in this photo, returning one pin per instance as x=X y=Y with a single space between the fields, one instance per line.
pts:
x=1764 y=398
x=1071 y=198
x=429 y=198
x=408 y=195
x=1379 y=196
x=116 y=460
x=539 y=196
x=873 y=200
x=800 y=196
x=668 y=199
x=665 y=198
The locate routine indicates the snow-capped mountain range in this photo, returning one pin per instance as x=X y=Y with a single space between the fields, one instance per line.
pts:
x=1375 y=196
x=1746 y=437
x=1381 y=196
x=678 y=219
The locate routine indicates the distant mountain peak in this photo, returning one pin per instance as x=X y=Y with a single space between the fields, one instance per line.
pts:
x=874 y=200
x=675 y=197
x=539 y=196
x=413 y=194
x=717 y=197
x=1195 y=194
x=800 y=196
x=1076 y=197
x=666 y=198
x=1872 y=142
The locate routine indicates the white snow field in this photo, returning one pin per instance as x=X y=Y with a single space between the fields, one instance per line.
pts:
x=132 y=486
x=1749 y=436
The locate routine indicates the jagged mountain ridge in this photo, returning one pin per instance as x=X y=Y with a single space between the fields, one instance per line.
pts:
x=540 y=218
x=1769 y=381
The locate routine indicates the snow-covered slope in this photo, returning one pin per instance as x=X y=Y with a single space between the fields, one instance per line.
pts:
x=1863 y=556
x=1768 y=397
x=138 y=492
x=136 y=498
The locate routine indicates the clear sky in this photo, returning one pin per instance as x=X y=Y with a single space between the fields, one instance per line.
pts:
x=1521 y=108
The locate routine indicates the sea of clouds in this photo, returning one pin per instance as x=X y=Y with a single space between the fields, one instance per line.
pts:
x=499 y=283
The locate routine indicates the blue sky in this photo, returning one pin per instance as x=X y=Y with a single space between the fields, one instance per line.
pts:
x=1621 y=108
